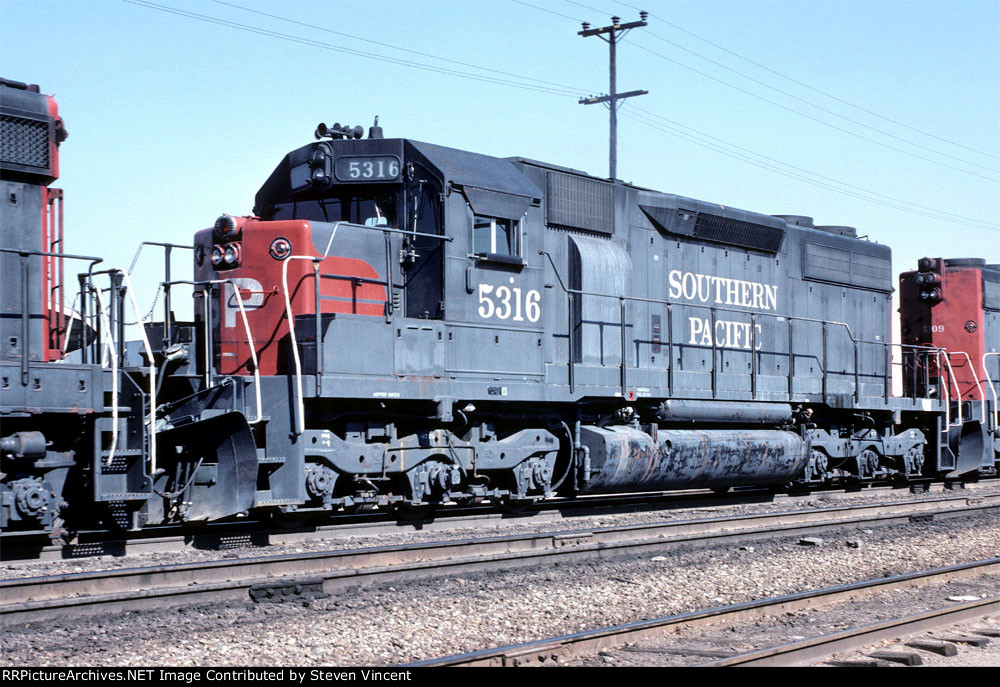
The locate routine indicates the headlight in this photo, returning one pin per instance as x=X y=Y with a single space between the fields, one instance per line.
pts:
x=227 y=256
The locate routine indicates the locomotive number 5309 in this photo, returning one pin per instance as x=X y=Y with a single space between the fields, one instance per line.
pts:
x=506 y=302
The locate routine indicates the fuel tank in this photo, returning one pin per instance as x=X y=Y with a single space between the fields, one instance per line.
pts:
x=628 y=458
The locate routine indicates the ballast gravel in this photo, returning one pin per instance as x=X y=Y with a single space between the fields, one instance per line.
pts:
x=385 y=625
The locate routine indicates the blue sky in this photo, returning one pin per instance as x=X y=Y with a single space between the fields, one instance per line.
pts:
x=174 y=120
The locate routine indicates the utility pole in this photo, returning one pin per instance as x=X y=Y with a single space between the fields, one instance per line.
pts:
x=611 y=35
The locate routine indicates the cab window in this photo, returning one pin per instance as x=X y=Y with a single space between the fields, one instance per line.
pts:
x=496 y=236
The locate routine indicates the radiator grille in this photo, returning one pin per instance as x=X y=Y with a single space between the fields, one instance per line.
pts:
x=840 y=266
x=573 y=201
x=24 y=142
x=736 y=232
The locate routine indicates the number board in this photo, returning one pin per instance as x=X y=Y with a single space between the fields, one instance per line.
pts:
x=367 y=168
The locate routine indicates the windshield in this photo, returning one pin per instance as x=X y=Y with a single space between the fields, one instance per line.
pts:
x=374 y=209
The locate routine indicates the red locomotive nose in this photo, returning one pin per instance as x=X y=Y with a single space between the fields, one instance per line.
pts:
x=942 y=305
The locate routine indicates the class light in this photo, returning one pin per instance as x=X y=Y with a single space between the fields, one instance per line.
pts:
x=281 y=248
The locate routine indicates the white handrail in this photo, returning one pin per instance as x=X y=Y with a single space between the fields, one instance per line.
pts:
x=253 y=348
x=69 y=327
x=944 y=387
x=993 y=390
x=958 y=393
x=975 y=377
x=300 y=405
x=110 y=349
x=152 y=372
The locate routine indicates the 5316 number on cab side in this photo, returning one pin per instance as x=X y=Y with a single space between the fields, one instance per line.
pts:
x=507 y=302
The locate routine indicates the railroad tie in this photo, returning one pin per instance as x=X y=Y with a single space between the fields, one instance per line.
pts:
x=856 y=663
x=977 y=642
x=943 y=648
x=987 y=631
x=907 y=658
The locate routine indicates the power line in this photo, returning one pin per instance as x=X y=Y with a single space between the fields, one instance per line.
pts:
x=746 y=155
x=359 y=53
x=802 y=114
x=820 y=176
x=816 y=119
x=678 y=130
x=402 y=49
x=823 y=109
x=542 y=9
x=812 y=88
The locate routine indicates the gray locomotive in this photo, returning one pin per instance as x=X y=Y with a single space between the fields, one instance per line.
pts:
x=401 y=325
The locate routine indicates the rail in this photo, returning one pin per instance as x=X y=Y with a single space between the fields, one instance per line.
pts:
x=917 y=351
x=35 y=598
x=589 y=642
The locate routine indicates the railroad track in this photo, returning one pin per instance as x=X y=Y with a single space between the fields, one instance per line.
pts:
x=303 y=575
x=250 y=533
x=244 y=532
x=554 y=650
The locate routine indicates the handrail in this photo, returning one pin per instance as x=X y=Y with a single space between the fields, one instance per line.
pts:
x=947 y=395
x=25 y=298
x=130 y=292
x=246 y=328
x=152 y=373
x=300 y=403
x=975 y=377
x=640 y=299
x=110 y=348
x=300 y=406
x=958 y=392
x=69 y=327
x=253 y=350
x=165 y=284
x=385 y=227
x=993 y=390
x=570 y=292
x=142 y=245
x=68 y=256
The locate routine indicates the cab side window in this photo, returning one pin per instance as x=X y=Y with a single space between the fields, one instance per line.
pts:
x=496 y=236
